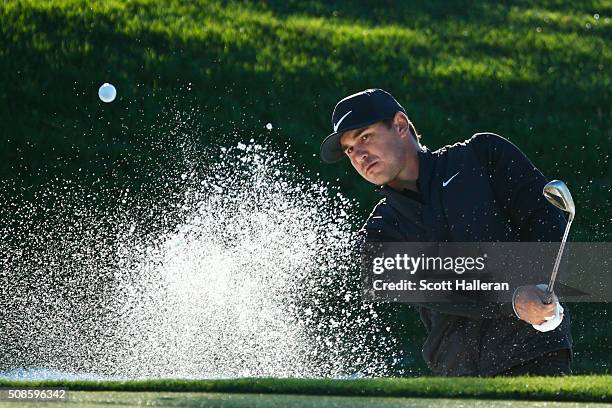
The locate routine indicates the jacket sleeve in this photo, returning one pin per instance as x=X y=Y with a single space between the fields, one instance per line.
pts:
x=517 y=185
x=474 y=310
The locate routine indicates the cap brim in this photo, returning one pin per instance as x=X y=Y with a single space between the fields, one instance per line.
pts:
x=331 y=152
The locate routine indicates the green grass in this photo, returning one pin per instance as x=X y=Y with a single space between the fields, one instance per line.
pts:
x=220 y=400
x=575 y=388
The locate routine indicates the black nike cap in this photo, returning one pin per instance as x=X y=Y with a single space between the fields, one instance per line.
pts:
x=356 y=111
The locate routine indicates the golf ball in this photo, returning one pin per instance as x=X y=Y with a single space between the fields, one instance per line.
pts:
x=107 y=92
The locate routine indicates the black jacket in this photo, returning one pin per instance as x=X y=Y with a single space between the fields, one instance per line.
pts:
x=495 y=196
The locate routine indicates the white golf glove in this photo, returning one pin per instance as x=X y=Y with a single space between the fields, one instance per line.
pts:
x=552 y=322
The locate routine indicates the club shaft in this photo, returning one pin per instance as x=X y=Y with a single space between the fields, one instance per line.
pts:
x=553 y=275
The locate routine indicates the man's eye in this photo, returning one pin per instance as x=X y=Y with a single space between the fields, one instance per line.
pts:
x=348 y=150
x=365 y=137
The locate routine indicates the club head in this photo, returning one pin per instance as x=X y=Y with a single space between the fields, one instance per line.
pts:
x=557 y=193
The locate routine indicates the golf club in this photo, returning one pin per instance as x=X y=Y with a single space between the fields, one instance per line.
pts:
x=557 y=193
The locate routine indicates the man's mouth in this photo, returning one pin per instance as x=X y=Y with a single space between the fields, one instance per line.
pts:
x=370 y=166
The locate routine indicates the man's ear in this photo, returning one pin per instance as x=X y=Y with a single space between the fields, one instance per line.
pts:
x=402 y=123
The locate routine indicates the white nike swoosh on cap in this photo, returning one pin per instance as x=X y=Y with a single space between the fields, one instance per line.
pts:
x=337 y=125
x=445 y=183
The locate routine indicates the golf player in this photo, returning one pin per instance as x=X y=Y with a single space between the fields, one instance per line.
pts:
x=481 y=190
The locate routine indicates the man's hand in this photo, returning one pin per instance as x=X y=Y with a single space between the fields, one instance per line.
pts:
x=529 y=305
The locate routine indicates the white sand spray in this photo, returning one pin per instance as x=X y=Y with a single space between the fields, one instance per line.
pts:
x=247 y=268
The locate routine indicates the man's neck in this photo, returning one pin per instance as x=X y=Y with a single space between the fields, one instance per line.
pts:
x=407 y=178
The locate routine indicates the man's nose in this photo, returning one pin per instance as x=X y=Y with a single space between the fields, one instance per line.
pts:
x=361 y=154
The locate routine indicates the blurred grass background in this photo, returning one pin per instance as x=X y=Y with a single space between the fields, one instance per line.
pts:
x=536 y=73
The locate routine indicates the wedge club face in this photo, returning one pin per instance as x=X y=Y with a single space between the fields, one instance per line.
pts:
x=557 y=193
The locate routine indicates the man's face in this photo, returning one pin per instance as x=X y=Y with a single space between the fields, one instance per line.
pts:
x=378 y=153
